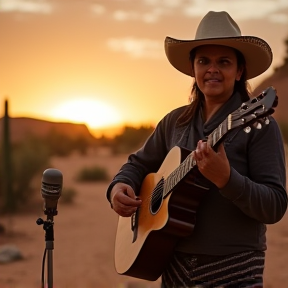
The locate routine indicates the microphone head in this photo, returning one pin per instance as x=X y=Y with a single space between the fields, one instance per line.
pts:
x=51 y=188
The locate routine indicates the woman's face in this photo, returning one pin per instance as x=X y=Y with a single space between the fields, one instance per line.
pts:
x=215 y=69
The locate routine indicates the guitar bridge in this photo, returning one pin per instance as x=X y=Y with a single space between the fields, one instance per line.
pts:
x=134 y=225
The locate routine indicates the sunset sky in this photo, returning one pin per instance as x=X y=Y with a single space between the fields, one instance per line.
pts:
x=102 y=62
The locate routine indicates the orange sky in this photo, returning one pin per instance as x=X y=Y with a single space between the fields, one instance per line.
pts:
x=110 y=55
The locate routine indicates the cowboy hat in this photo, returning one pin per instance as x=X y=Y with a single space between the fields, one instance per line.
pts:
x=218 y=28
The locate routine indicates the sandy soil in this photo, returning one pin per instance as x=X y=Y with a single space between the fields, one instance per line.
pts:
x=84 y=238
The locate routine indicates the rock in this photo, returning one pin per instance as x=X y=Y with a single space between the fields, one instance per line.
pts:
x=9 y=253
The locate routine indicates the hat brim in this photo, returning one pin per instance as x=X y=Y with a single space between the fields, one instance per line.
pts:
x=256 y=51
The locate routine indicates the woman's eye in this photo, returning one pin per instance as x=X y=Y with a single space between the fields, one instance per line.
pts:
x=202 y=61
x=225 y=61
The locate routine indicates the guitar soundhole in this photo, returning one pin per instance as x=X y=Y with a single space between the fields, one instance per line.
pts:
x=157 y=197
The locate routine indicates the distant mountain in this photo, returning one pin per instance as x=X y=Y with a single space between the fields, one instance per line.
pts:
x=279 y=80
x=22 y=126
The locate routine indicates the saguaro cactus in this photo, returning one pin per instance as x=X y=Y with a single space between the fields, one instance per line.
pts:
x=9 y=204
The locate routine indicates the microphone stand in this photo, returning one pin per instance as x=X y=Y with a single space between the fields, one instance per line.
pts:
x=49 y=240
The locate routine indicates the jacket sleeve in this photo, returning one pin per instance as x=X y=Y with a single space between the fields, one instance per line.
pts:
x=262 y=193
x=146 y=160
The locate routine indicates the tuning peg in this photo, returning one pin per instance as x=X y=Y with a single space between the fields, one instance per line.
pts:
x=257 y=125
x=247 y=129
x=254 y=100
x=266 y=120
x=244 y=106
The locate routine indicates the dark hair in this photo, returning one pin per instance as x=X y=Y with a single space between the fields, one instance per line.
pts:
x=196 y=96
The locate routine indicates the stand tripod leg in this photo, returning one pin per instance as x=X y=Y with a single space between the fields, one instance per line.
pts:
x=50 y=268
x=49 y=249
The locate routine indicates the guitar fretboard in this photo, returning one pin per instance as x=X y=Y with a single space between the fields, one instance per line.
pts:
x=219 y=132
x=181 y=171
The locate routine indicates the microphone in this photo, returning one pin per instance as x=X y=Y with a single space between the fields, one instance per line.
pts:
x=51 y=189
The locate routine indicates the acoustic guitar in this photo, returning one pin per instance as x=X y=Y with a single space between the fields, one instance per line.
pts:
x=170 y=198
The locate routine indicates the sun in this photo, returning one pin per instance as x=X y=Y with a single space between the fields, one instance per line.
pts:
x=93 y=113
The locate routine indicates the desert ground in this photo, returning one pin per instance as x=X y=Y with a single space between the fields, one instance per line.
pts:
x=84 y=235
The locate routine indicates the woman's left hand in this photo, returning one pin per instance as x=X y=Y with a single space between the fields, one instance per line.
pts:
x=212 y=165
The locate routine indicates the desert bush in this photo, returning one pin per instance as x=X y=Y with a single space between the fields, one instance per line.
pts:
x=27 y=159
x=60 y=144
x=68 y=195
x=131 y=139
x=90 y=174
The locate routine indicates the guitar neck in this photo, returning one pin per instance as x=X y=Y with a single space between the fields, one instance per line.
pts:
x=214 y=138
x=181 y=171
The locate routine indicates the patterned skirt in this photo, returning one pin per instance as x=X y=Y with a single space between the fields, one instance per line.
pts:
x=231 y=271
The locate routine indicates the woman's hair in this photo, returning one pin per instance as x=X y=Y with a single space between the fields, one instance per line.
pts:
x=196 y=97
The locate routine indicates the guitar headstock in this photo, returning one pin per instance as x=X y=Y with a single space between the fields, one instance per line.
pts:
x=255 y=111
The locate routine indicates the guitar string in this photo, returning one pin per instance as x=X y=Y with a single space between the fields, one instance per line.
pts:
x=172 y=180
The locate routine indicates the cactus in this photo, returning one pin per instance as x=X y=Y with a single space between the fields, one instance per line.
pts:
x=9 y=204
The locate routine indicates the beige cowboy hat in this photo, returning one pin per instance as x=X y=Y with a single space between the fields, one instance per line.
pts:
x=218 y=28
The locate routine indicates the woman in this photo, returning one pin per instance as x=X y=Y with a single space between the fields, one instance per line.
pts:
x=245 y=174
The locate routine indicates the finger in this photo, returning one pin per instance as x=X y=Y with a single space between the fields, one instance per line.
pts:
x=122 y=208
x=129 y=200
x=206 y=147
x=130 y=192
x=127 y=208
x=203 y=145
x=129 y=213
x=198 y=152
x=202 y=148
x=126 y=212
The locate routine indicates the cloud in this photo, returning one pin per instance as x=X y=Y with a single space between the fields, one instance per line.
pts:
x=122 y=15
x=240 y=9
x=137 y=48
x=28 y=6
x=164 y=3
x=98 y=9
x=150 y=16
x=151 y=11
x=279 y=18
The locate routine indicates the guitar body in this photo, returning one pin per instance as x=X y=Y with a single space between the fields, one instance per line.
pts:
x=145 y=241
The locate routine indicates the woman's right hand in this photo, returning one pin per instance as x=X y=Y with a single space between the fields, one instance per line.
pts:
x=123 y=199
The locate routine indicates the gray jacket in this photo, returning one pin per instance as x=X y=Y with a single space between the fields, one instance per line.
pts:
x=232 y=219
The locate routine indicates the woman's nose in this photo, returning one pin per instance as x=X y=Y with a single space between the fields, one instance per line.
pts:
x=213 y=68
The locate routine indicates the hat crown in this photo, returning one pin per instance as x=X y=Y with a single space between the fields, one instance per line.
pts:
x=217 y=25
